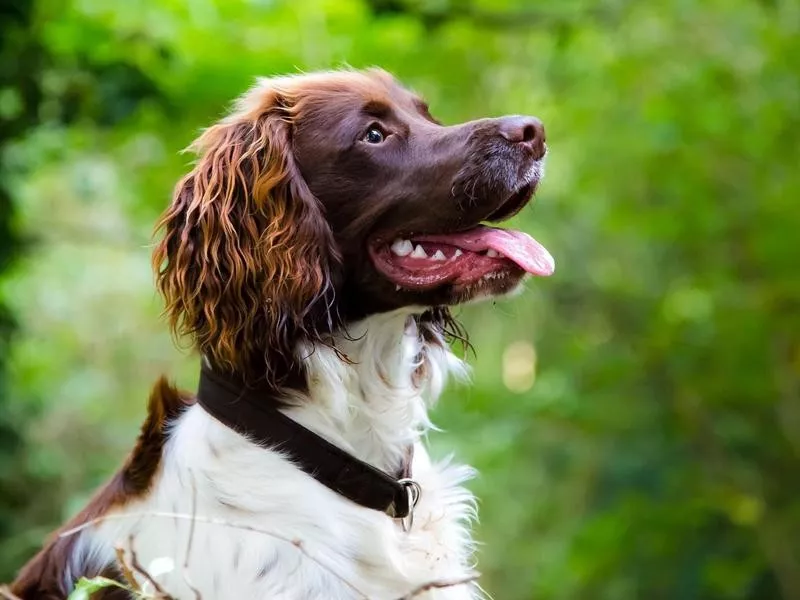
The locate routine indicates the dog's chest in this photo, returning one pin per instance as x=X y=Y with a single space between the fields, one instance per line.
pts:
x=264 y=529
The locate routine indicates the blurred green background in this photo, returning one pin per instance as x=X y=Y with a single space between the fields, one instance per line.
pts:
x=635 y=418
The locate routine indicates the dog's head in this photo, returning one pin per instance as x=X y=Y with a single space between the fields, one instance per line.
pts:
x=325 y=198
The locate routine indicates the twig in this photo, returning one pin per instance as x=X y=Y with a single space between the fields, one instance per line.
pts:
x=186 y=577
x=213 y=521
x=143 y=572
x=439 y=585
x=127 y=573
x=6 y=593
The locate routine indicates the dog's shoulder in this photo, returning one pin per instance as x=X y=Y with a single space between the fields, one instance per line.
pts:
x=165 y=405
x=65 y=557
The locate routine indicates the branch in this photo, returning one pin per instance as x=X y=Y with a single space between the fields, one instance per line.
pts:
x=143 y=572
x=6 y=593
x=439 y=585
x=127 y=573
x=193 y=518
x=213 y=521
x=189 y=543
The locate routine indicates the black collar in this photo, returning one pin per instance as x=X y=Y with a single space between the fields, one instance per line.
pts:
x=256 y=415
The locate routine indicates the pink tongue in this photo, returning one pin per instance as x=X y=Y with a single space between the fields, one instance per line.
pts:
x=517 y=246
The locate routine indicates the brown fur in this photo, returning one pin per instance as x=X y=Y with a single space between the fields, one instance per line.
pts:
x=264 y=245
x=43 y=578
x=270 y=243
x=246 y=252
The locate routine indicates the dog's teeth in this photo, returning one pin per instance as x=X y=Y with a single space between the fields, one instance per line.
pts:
x=458 y=253
x=419 y=252
x=492 y=253
x=397 y=288
x=439 y=255
x=402 y=247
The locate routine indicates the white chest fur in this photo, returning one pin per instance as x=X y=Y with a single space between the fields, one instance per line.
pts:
x=266 y=530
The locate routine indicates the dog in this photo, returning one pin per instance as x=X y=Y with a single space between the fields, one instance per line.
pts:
x=311 y=257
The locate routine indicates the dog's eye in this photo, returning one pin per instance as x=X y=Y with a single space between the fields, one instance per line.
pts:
x=374 y=136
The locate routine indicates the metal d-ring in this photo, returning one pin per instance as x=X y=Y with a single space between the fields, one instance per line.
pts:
x=414 y=492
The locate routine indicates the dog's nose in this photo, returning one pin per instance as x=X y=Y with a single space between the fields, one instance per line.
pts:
x=528 y=132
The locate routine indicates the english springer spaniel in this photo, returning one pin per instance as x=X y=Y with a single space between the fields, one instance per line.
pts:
x=311 y=256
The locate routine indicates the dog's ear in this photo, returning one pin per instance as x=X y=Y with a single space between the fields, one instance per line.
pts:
x=245 y=263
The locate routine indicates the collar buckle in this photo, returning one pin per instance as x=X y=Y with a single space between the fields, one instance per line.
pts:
x=254 y=413
x=414 y=491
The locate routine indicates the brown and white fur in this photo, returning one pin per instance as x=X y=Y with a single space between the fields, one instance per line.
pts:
x=264 y=265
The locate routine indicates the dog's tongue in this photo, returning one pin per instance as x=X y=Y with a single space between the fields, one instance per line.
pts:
x=517 y=246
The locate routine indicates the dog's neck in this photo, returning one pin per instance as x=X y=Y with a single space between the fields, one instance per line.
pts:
x=371 y=395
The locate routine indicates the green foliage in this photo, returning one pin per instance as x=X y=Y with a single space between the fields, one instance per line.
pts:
x=86 y=587
x=19 y=95
x=635 y=418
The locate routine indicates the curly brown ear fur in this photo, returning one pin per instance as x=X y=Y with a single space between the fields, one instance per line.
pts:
x=245 y=263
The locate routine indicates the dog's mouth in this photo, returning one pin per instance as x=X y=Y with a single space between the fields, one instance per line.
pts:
x=428 y=260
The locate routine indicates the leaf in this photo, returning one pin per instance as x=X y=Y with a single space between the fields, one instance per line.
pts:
x=86 y=587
